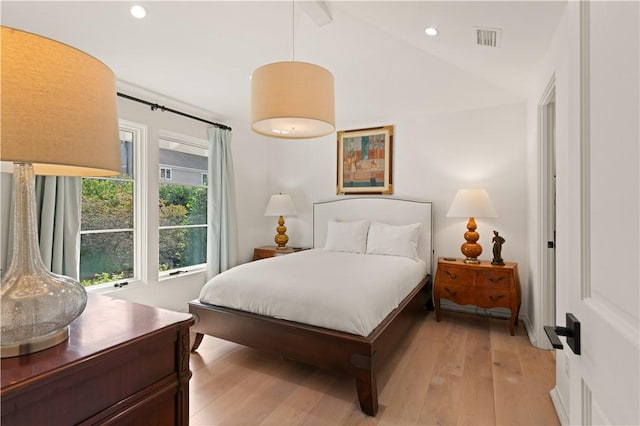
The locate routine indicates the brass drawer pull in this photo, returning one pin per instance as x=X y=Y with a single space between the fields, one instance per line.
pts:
x=496 y=280
x=452 y=276
x=497 y=297
x=451 y=292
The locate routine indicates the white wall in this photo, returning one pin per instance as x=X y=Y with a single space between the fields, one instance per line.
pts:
x=434 y=155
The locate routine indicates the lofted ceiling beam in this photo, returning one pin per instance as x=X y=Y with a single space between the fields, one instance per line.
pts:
x=318 y=11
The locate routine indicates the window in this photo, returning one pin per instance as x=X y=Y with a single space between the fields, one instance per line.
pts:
x=165 y=173
x=107 y=249
x=182 y=204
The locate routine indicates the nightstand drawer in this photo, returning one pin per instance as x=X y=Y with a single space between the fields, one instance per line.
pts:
x=493 y=278
x=457 y=276
x=460 y=294
x=492 y=298
x=484 y=298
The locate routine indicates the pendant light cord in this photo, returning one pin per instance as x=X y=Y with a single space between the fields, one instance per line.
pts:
x=293 y=30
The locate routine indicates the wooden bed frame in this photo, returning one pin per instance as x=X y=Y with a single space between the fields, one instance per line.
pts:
x=357 y=356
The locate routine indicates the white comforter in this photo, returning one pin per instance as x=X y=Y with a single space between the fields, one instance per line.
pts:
x=340 y=291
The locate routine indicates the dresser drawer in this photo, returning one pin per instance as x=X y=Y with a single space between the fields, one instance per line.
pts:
x=494 y=278
x=457 y=276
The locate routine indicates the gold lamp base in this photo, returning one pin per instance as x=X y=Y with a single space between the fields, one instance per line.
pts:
x=281 y=238
x=471 y=249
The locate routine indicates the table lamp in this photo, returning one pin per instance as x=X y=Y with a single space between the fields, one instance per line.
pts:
x=59 y=117
x=280 y=205
x=471 y=203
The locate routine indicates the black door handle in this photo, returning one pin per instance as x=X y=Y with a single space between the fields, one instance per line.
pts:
x=571 y=331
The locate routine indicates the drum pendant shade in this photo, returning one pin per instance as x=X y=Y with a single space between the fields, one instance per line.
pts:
x=292 y=100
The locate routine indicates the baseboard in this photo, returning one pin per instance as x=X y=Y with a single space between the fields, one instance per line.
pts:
x=533 y=338
x=561 y=411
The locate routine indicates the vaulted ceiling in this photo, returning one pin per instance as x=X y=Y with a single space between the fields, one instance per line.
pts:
x=202 y=53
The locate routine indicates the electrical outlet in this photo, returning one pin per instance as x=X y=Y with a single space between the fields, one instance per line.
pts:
x=566 y=364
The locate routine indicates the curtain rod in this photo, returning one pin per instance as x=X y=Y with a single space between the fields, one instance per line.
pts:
x=163 y=108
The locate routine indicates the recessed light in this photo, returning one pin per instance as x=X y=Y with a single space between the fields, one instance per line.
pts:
x=138 y=11
x=431 y=31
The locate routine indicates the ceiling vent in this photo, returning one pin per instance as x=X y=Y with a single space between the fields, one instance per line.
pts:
x=487 y=37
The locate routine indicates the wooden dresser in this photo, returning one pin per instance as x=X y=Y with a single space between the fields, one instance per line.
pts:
x=124 y=363
x=484 y=285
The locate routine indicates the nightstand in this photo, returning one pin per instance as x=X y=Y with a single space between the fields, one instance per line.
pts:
x=272 y=251
x=484 y=285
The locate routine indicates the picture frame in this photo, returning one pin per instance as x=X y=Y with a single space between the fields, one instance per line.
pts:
x=365 y=161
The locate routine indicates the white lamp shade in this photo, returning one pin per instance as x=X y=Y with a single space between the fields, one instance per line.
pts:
x=472 y=203
x=292 y=100
x=58 y=108
x=280 y=205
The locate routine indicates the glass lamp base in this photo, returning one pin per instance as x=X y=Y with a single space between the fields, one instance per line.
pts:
x=35 y=345
x=37 y=305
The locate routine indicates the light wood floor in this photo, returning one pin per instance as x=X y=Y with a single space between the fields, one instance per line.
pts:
x=464 y=370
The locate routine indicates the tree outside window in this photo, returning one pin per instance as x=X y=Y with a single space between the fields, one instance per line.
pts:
x=107 y=222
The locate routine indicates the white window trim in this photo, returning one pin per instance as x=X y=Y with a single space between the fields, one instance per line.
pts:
x=140 y=208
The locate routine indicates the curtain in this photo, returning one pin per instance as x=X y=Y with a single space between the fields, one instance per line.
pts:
x=58 y=204
x=6 y=219
x=58 y=211
x=222 y=233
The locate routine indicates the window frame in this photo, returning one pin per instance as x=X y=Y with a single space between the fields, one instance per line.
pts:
x=140 y=209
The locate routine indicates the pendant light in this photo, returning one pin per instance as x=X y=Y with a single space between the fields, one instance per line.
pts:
x=292 y=100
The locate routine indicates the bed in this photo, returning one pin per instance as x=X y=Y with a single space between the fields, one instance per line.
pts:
x=347 y=352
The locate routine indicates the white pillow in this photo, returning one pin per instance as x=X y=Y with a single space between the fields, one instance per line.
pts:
x=350 y=237
x=393 y=240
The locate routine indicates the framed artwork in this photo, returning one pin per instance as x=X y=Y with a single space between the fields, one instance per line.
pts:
x=365 y=161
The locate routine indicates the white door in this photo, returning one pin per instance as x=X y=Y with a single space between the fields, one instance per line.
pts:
x=604 y=211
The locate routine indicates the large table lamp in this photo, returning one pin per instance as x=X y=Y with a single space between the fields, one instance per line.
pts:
x=59 y=117
x=281 y=205
x=471 y=203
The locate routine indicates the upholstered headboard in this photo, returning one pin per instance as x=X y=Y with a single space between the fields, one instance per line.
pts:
x=392 y=211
